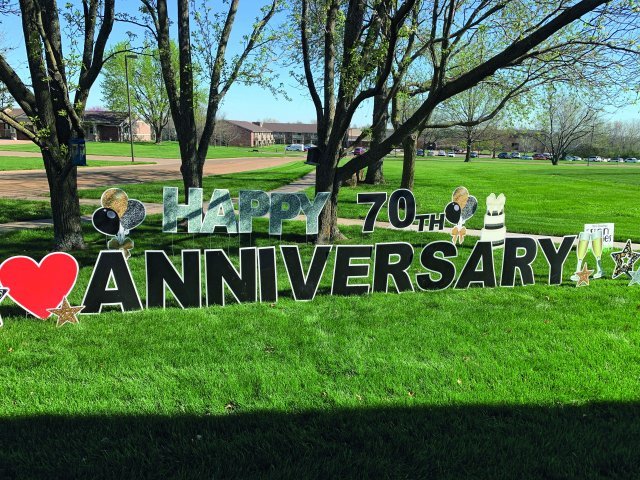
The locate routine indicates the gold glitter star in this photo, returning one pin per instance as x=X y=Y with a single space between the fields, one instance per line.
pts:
x=625 y=259
x=66 y=313
x=583 y=276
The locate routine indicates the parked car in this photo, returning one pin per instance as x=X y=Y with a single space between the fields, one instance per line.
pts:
x=631 y=160
x=526 y=157
x=473 y=155
x=359 y=150
x=515 y=155
x=503 y=155
x=617 y=159
x=420 y=152
x=577 y=158
x=295 y=147
x=539 y=156
x=309 y=146
x=431 y=153
x=594 y=158
x=451 y=154
x=442 y=153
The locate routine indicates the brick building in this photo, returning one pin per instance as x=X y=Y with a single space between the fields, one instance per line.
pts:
x=288 y=133
x=242 y=134
x=100 y=126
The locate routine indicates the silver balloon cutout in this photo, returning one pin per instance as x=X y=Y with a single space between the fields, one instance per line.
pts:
x=134 y=215
x=469 y=209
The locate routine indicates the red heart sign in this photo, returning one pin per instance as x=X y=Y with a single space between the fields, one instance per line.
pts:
x=37 y=287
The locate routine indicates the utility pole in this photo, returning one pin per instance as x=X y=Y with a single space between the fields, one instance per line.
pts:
x=126 y=74
x=593 y=128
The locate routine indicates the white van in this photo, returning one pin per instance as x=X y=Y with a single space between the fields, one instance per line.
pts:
x=295 y=147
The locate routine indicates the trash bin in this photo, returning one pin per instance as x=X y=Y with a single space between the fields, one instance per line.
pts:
x=313 y=156
x=77 y=149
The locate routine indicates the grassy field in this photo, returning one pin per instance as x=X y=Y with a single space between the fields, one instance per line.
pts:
x=22 y=210
x=164 y=150
x=18 y=210
x=541 y=198
x=265 y=179
x=528 y=382
x=269 y=179
x=35 y=163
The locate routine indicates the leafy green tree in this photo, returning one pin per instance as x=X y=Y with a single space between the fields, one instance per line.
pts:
x=149 y=99
x=349 y=49
x=5 y=97
x=55 y=95
x=565 y=119
x=203 y=35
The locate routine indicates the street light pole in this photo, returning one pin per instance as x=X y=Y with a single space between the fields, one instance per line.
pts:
x=126 y=74
x=593 y=129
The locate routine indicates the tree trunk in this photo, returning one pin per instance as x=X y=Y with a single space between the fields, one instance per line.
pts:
x=467 y=156
x=409 y=144
x=326 y=181
x=157 y=132
x=65 y=204
x=375 y=175
x=191 y=168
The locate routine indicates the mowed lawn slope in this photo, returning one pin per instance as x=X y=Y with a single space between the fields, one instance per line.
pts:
x=541 y=198
x=526 y=382
x=265 y=179
x=268 y=178
x=163 y=150
x=25 y=210
x=35 y=163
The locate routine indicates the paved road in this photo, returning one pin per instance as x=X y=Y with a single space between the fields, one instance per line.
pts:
x=28 y=184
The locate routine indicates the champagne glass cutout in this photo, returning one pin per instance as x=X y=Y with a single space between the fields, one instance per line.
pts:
x=581 y=252
x=596 y=246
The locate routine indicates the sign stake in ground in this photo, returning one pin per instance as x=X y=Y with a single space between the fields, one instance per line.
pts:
x=3 y=293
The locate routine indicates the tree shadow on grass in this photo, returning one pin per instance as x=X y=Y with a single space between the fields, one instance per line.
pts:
x=479 y=441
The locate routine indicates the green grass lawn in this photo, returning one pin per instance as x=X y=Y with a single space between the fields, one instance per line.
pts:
x=265 y=179
x=23 y=210
x=19 y=210
x=527 y=382
x=268 y=179
x=541 y=198
x=35 y=163
x=165 y=150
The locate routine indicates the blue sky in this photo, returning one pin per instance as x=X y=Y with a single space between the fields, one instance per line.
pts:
x=242 y=102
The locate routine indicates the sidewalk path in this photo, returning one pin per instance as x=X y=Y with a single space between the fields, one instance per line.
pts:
x=29 y=184
x=300 y=185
